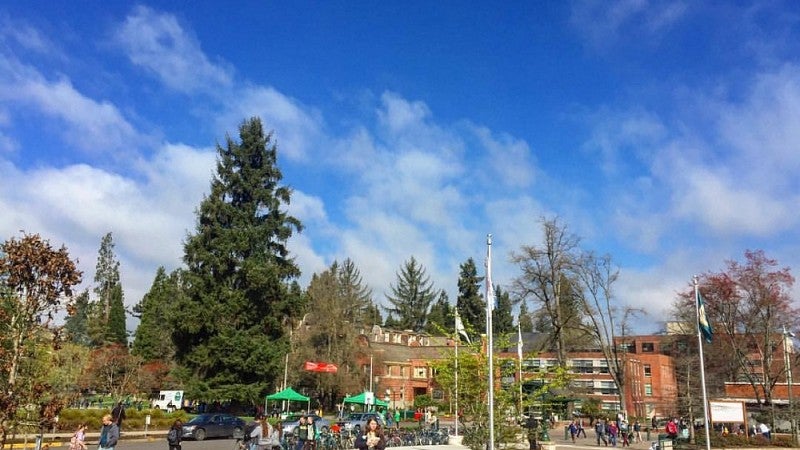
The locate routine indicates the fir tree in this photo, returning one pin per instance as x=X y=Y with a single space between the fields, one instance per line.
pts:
x=441 y=319
x=524 y=319
x=356 y=297
x=411 y=296
x=107 y=324
x=470 y=303
x=77 y=323
x=502 y=320
x=229 y=328
x=153 y=337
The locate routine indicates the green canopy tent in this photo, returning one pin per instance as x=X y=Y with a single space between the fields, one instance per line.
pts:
x=289 y=395
x=361 y=399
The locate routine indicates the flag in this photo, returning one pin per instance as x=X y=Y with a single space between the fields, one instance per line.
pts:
x=490 y=303
x=460 y=328
x=702 y=318
x=519 y=341
x=312 y=366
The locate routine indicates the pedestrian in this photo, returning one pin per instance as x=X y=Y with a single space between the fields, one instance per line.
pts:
x=174 y=435
x=397 y=418
x=672 y=429
x=78 y=440
x=581 y=429
x=109 y=434
x=764 y=430
x=623 y=432
x=600 y=432
x=118 y=414
x=373 y=437
x=573 y=430
x=612 y=431
x=311 y=434
x=637 y=432
x=302 y=433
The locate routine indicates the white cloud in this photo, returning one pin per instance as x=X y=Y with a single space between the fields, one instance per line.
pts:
x=158 y=43
x=91 y=125
x=509 y=158
x=298 y=128
x=602 y=22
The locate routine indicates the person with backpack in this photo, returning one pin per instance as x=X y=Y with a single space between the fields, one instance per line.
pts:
x=174 y=435
x=311 y=435
x=302 y=433
x=600 y=432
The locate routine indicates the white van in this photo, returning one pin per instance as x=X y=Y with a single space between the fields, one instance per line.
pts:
x=169 y=401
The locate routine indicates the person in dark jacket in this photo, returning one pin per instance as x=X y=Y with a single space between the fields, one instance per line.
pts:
x=118 y=415
x=175 y=435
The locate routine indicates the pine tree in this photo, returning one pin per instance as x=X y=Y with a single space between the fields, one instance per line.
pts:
x=502 y=320
x=441 y=319
x=230 y=327
x=356 y=297
x=153 y=337
x=411 y=296
x=470 y=303
x=524 y=319
x=77 y=323
x=107 y=324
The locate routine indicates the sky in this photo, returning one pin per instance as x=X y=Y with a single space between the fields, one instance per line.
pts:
x=663 y=133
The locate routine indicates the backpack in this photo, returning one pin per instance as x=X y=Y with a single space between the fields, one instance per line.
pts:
x=172 y=436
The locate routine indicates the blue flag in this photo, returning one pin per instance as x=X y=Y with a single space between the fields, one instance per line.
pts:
x=702 y=318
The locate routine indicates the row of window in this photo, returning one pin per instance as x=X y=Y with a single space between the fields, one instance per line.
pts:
x=584 y=366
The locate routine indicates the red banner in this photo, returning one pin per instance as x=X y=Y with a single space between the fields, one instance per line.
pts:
x=321 y=367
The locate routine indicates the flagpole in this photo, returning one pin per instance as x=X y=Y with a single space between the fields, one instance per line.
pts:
x=490 y=340
x=456 y=377
x=519 y=354
x=702 y=364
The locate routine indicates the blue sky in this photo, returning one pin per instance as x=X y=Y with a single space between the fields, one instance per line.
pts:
x=664 y=133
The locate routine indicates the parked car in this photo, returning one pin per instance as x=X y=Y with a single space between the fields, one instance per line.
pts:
x=357 y=421
x=292 y=420
x=213 y=425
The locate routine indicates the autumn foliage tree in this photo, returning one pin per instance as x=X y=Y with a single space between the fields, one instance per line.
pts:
x=748 y=304
x=36 y=281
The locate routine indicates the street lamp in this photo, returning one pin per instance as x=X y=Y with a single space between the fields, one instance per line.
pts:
x=786 y=360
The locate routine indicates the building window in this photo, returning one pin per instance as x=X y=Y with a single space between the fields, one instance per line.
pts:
x=648 y=347
x=648 y=371
x=648 y=390
x=582 y=366
x=419 y=372
x=603 y=367
x=531 y=365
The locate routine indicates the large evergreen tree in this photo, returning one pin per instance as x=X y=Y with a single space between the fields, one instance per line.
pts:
x=502 y=319
x=470 y=303
x=107 y=324
x=411 y=296
x=153 y=337
x=356 y=297
x=76 y=324
x=230 y=327
x=525 y=320
x=441 y=319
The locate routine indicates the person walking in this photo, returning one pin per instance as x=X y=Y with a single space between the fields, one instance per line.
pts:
x=118 y=414
x=373 y=437
x=637 y=432
x=581 y=429
x=78 y=440
x=109 y=434
x=613 y=431
x=573 y=430
x=600 y=432
x=175 y=435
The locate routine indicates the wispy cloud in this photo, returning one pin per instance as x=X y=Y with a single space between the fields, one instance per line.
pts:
x=603 y=23
x=158 y=43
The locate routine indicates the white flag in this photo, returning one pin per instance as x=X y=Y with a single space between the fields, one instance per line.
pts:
x=460 y=328
x=490 y=303
x=519 y=342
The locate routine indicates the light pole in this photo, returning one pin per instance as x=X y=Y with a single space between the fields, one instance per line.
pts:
x=787 y=361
